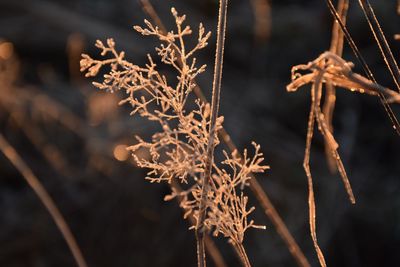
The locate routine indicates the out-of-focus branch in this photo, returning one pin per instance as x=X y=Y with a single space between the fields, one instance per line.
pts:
x=70 y=21
x=337 y=42
x=12 y=155
x=397 y=36
x=262 y=19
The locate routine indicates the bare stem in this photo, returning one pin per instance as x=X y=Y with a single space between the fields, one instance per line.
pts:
x=367 y=70
x=242 y=254
x=12 y=155
x=219 y=53
x=381 y=41
x=337 y=42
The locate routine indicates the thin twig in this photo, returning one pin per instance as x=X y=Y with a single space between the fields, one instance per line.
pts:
x=219 y=53
x=242 y=254
x=44 y=197
x=381 y=41
x=337 y=41
x=211 y=248
x=364 y=65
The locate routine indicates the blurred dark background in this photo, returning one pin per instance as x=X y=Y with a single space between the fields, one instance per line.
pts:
x=73 y=137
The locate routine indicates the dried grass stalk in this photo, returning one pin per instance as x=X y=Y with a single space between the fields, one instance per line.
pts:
x=364 y=65
x=12 y=155
x=331 y=70
x=337 y=42
x=381 y=41
x=216 y=92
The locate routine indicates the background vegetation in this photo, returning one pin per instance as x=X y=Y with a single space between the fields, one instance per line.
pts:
x=69 y=135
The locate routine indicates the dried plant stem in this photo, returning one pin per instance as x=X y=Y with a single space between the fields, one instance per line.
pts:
x=337 y=39
x=364 y=65
x=381 y=41
x=262 y=197
x=330 y=92
x=262 y=19
x=219 y=53
x=239 y=248
x=50 y=152
x=210 y=246
x=12 y=155
x=317 y=86
x=269 y=209
x=212 y=250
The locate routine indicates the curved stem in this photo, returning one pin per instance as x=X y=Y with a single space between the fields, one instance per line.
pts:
x=44 y=197
x=242 y=254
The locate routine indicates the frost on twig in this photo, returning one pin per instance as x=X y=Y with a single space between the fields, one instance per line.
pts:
x=338 y=71
x=329 y=67
x=178 y=151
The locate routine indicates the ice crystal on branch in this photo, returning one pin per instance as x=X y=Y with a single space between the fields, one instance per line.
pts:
x=178 y=152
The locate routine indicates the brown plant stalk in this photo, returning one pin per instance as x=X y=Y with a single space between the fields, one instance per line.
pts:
x=331 y=70
x=210 y=246
x=12 y=155
x=383 y=99
x=380 y=39
x=337 y=42
x=216 y=92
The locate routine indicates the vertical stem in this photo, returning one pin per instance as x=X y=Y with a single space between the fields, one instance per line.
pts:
x=219 y=53
x=381 y=41
x=242 y=254
x=367 y=70
x=337 y=42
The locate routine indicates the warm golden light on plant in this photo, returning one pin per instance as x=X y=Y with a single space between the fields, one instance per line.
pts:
x=6 y=50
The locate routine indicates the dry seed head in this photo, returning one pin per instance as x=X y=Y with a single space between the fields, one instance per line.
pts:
x=178 y=151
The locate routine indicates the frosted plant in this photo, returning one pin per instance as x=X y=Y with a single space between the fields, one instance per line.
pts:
x=179 y=151
x=329 y=71
x=329 y=68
